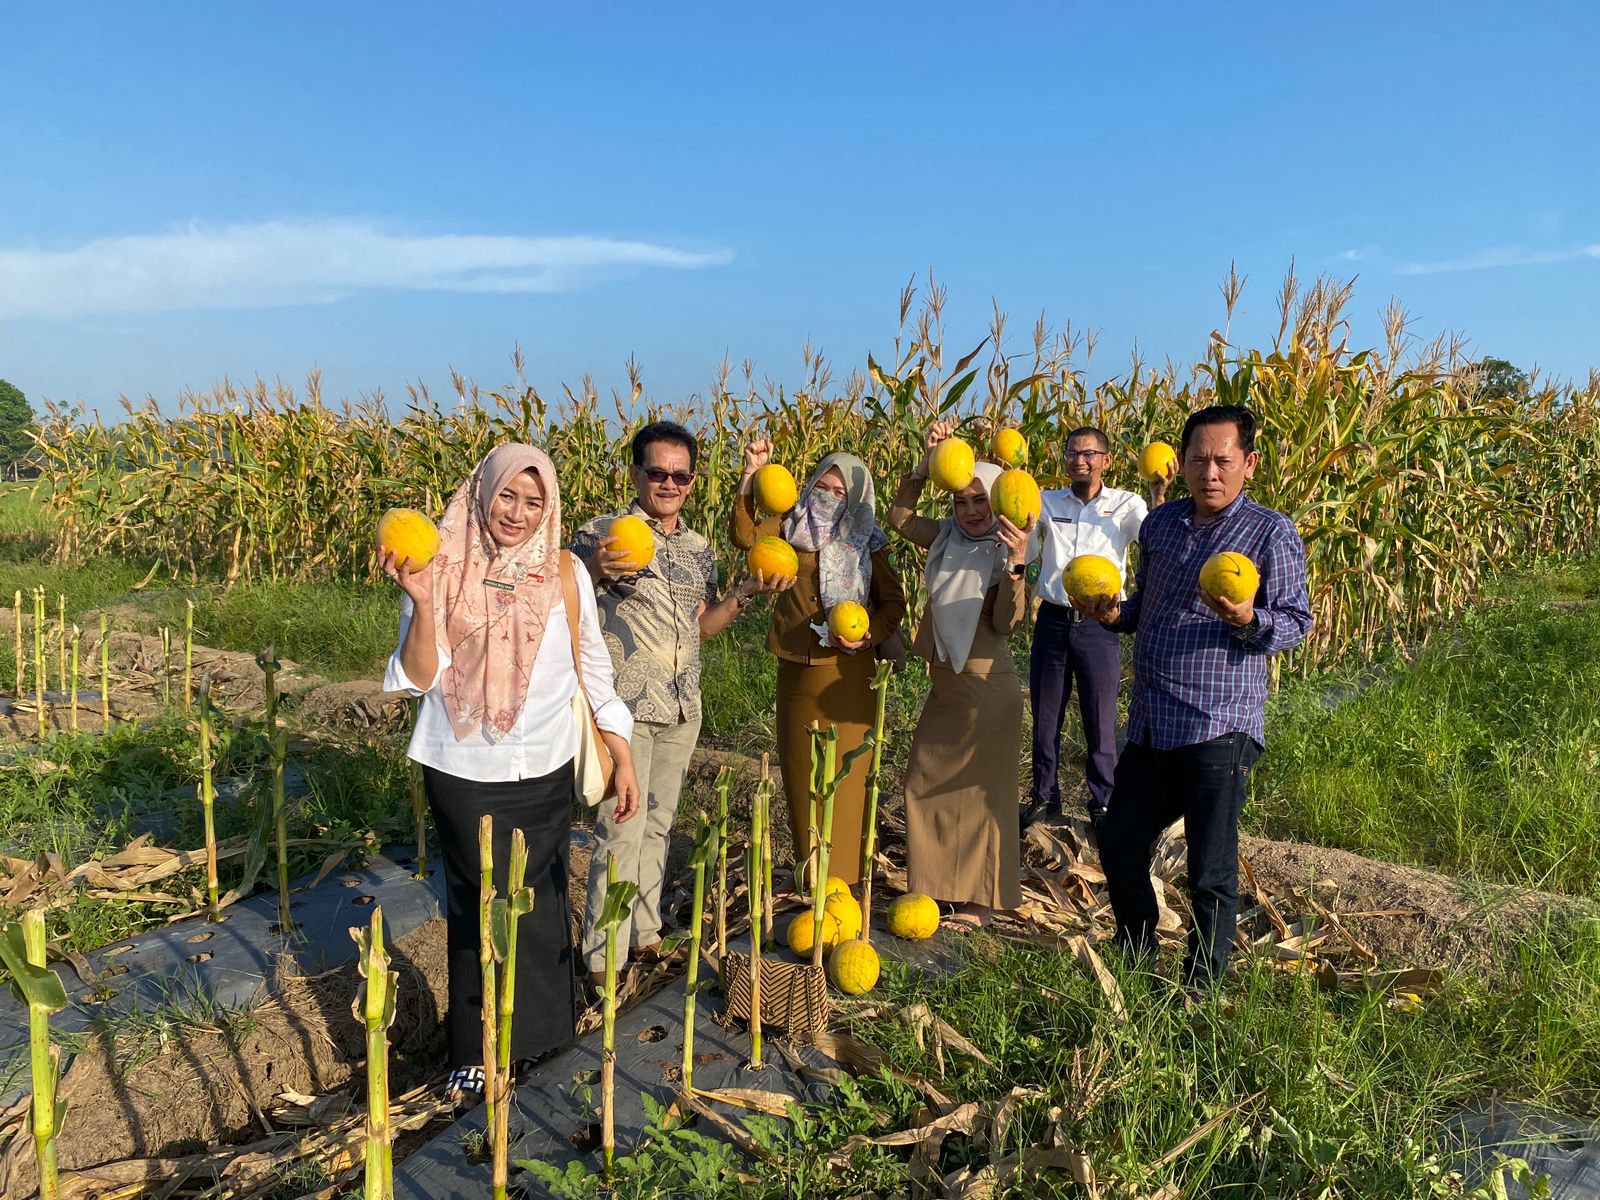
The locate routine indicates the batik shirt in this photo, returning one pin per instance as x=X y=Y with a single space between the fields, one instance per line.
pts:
x=651 y=621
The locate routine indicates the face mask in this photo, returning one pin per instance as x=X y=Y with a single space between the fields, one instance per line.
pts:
x=826 y=504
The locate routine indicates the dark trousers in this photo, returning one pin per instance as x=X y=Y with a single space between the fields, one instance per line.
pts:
x=1205 y=785
x=1065 y=650
x=546 y=999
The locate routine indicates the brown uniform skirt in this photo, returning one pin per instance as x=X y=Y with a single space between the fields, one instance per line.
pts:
x=835 y=691
x=962 y=842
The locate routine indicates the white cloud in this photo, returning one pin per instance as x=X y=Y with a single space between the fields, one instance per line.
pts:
x=306 y=262
x=1352 y=255
x=1505 y=256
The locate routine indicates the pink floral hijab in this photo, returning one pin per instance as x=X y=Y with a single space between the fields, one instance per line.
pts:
x=491 y=604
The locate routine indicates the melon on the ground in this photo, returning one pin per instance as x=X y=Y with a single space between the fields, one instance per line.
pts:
x=773 y=558
x=1009 y=447
x=1090 y=575
x=1229 y=576
x=848 y=621
x=803 y=929
x=1015 y=496
x=775 y=490
x=409 y=536
x=913 y=916
x=632 y=536
x=853 y=967
x=952 y=465
x=842 y=907
x=1155 y=460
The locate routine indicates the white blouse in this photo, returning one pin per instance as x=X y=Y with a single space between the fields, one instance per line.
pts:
x=545 y=736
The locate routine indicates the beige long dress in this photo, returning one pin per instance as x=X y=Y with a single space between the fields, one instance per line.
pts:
x=962 y=839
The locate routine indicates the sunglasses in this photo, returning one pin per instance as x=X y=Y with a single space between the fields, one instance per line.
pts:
x=657 y=476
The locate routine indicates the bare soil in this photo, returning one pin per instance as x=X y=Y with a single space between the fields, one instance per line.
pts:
x=1419 y=918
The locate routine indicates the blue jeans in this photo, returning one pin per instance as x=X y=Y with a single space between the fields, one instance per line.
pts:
x=1204 y=784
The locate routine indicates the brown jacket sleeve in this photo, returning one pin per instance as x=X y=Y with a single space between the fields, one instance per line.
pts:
x=903 y=518
x=1010 y=604
x=888 y=602
x=748 y=526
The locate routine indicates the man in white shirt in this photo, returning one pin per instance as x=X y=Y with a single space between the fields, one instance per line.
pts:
x=1085 y=518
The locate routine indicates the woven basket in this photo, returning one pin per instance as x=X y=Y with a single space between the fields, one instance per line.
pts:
x=794 y=996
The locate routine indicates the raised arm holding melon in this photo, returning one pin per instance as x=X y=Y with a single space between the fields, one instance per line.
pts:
x=960 y=788
x=840 y=600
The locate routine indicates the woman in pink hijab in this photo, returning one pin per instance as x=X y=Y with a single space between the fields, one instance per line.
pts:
x=485 y=641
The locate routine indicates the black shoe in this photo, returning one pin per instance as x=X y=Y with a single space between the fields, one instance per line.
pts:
x=1097 y=821
x=1031 y=812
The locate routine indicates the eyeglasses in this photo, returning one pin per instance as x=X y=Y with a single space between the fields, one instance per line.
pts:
x=657 y=476
x=1072 y=454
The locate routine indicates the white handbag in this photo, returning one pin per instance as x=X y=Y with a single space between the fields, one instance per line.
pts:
x=592 y=769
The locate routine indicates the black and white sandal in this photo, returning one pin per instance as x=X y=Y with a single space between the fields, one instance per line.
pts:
x=464 y=1089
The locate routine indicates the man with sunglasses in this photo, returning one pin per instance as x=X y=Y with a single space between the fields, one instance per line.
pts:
x=1084 y=518
x=653 y=621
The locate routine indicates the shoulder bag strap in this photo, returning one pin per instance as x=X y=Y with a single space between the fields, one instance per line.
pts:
x=569 y=596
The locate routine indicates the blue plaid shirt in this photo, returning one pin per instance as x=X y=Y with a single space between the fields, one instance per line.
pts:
x=1194 y=676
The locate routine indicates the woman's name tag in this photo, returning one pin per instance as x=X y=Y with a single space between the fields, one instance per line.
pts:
x=500 y=584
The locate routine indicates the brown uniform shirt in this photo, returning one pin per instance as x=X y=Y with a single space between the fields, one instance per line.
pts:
x=796 y=610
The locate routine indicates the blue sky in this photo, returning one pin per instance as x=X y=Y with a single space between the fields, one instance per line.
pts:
x=384 y=191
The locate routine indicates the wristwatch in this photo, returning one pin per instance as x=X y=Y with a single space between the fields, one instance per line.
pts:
x=1018 y=570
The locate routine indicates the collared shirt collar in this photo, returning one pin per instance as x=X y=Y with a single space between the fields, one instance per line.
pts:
x=638 y=510
x=1232 y=509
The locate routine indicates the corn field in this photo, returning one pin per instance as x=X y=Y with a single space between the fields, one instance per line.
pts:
x=1406 y=482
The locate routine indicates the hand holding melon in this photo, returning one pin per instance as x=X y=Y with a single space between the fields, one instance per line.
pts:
x=1228 y=585
x=407 y=542
x=629 y=547
x=1094 y=585
x=848 y=625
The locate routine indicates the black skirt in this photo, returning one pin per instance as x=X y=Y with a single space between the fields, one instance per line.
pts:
x=546 y=1000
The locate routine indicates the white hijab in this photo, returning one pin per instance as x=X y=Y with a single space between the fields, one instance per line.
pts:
x=961 y=569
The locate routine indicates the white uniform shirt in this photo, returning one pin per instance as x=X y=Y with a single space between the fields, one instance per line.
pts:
x=545 y=736
x=1068 y=527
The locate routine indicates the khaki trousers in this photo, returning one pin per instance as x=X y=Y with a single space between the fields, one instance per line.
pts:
x=661 y=759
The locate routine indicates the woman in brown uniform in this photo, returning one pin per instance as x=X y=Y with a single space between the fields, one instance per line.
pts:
x=962 y=780
x=834 y=531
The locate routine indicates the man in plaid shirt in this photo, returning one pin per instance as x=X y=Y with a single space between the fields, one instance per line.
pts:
x=1199 y=688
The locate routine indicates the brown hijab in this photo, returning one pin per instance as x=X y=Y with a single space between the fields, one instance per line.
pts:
x=491 y=604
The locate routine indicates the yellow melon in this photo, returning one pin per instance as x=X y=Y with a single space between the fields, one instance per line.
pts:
x=914 y=916
x=848 y=621
x=842 y=907
x=834 y=886
x=773 y=558
x=952 y=464
x=803 y=929
x=409 y=536
x=853 y=967
x=1229 y=576
x=1155 y=460
x=1091 y=575
x=775 y=490
x=1009 y=448
x=632 y=536
x=1015 y=496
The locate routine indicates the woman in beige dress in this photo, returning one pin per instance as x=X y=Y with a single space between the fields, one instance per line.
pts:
x=962 y=845
x=843 y=555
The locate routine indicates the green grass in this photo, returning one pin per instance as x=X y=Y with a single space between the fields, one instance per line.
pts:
x=1315 y=1093
x=81 y=797
x=1478 y=759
